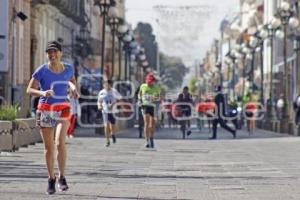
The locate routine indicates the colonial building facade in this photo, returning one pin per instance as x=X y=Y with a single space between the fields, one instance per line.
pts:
x=26 y=28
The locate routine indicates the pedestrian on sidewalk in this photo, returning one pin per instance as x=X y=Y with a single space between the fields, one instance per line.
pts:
x=138 y=111
x=74 y=105
x=210 y=106
x=53 y=79
x=186 y=107
x=296 y=106
x=168 y=110
x=280 y=106
x=107 y=98
x=220 y=113
x=34 y=105
x=149 y=95
x=251 y=108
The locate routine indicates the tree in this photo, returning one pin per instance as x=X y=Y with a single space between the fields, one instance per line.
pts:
x=193 y=87
x=144 y=36
x=172 y=67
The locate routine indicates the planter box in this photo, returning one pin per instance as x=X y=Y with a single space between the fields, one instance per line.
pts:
x=6 y=139
x=21 y=132
x=25 y=133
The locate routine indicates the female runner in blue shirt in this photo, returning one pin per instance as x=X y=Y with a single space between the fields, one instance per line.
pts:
x=53 y=80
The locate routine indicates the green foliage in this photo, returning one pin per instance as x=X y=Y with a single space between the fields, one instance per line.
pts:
x=8 y=112
x=146 y=38
x=246 y=98
x=192 y=86
x=174 y=68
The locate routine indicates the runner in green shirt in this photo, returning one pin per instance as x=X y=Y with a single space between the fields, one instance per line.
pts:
x=149 y=95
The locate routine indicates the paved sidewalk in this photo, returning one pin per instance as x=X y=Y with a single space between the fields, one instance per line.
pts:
x=265 y=166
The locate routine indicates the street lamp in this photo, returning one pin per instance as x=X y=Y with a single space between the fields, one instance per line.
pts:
x=133 y=45
x=244 y=52
x=143 y=62
x=257 y=42
x=286 y=15
x=127 y=39
x=253 y=43
x=104 y=6
x=295 y=36
x=272 y=28
x=219 y=66
x=122 y=29
x=232 y=59
x=145 y=65
x=114 y=23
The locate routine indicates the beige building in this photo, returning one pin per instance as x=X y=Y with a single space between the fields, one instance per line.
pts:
x=48 y=23
x=15 y=51
x=96 y=26
x=75 y=23
x=94 y=30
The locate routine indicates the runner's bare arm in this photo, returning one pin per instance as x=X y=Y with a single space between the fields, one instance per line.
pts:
x=140 y=99
x=72 y=84
x=99 y=105
x=118 y=96
x=99 y=101
x=33 y=89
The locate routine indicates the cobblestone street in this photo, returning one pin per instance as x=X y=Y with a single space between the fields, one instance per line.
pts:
x=265 y=166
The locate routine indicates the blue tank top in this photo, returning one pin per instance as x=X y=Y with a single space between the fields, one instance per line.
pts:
x=58 y=82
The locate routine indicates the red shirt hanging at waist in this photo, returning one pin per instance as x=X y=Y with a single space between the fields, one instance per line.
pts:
x=54 y=107
x=251 y=107
x=203 y=107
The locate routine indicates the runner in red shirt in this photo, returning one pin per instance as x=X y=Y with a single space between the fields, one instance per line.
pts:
x=250 y=113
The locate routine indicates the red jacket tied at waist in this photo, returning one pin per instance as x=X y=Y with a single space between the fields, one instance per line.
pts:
x=203 y=107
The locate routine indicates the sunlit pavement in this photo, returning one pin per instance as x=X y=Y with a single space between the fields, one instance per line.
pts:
x=263 y=166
